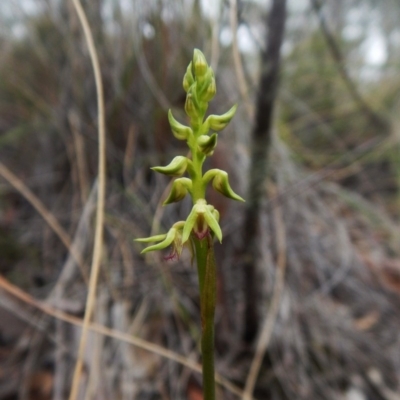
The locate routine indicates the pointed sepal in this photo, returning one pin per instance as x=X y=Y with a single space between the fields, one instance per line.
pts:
x=172 y=237
x=177 y=167
x=150 y=239
x=221 y=183
x=212 y=221
x=219 y=122
x=168 y=238
x=180 y=131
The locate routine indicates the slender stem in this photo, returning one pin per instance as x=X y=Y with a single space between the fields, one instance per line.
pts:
x=207 y=281
x=196 y=171
x=207 y=346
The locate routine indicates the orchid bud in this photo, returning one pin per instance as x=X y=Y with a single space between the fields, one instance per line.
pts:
x=179 y=190
x=188 y=79
x=203 y=84
x=180 y=131
x=191 y=108
x=207 y=144
x=221 y=183
x=176 y=167
x=210 y=92
x=219 y=122
x=200 y=65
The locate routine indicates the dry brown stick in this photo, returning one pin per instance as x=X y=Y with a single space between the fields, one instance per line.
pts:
x=98 y=236
x=258 y=170
x=60 y=365
x=79 y=145
x=112 y=333
x=129 y=152
x=49 y=218
x=237 y=60
x=268 y=326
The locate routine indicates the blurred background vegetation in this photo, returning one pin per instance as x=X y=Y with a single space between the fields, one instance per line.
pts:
x=325 y=254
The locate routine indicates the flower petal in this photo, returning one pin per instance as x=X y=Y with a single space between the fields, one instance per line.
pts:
x=213 y=223
x=155 y=238
x=169 y=238
x=189 y=224
x=221 y=184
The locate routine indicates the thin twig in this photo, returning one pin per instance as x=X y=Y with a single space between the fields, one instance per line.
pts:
x=112 y=333
x=269 y=322
x=80 y=242
x=98 y=238
x=129 y=152
x=149 y=77
x=49 y=218
x=237 y=60
x=215 y=42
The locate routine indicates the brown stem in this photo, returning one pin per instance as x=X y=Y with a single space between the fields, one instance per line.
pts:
x=261 y=139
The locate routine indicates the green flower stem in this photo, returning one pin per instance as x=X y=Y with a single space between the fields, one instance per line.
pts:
x=196 y=172
x=207 y=281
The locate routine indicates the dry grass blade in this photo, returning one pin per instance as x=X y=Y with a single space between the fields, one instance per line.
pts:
x=98 y=239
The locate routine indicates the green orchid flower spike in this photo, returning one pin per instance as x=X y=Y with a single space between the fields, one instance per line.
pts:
x=202 y=224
